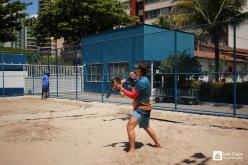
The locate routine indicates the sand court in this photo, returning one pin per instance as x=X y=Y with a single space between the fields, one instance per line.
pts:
x=65 y=132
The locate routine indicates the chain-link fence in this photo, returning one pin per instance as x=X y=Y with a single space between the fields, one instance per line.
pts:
x=190 y=69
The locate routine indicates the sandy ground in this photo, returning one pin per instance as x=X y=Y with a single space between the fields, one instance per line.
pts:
x=66 y=132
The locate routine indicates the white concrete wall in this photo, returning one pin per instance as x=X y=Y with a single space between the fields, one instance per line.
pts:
x=205 y=63
x=66 y=84
x=240 y=67
x=150 y=21
x=13 y=79
x=242 y=34
x=7 y=45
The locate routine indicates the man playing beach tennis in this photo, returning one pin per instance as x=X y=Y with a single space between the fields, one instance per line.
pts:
x=142 y=107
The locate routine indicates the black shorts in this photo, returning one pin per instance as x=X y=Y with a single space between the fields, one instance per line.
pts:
x=44 y=88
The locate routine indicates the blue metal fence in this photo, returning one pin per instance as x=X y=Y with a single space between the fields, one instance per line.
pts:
x=174 y=88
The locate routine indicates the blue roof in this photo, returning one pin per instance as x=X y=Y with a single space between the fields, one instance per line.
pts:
x=135 y=43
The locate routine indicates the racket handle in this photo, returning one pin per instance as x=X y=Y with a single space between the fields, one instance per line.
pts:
x=122 y=94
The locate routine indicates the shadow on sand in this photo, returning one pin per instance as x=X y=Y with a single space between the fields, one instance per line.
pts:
x=125 y=145
x=196 y=159
x=238 y=106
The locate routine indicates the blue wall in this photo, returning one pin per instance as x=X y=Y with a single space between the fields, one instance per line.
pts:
x=185 y=41
x=132 y=44
x=12 y=91
x=158 y=45
x=10 y=58
x=122 y=45
x=119 y=45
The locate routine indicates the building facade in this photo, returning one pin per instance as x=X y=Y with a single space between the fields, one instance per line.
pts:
x=24 y=40
x=206 y=57
x=115 y=53
x=148 y=10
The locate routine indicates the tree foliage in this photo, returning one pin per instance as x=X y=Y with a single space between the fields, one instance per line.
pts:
x=211 y=12
x=167 y=22
x=73 y=18
x=11 y=16
x=183 y=63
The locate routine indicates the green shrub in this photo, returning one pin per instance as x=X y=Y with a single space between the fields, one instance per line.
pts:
x=223 y=92
x=194 y=84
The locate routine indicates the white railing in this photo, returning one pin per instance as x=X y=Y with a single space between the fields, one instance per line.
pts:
x=39 y=70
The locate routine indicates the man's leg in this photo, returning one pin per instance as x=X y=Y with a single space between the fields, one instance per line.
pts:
x=152 y=134
x=132 y=123
x=46 y=91
x=42 y=93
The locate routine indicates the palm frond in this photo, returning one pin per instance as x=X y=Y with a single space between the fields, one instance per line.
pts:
x=220 y=10
x=191 y=7
x=242 y=18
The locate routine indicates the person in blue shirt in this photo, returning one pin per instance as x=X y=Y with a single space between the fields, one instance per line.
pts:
x=45 y=85
x=142 y=106
x=131 y=80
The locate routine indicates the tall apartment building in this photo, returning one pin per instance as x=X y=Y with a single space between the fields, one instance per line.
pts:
x=148 y=10
x=24 y=40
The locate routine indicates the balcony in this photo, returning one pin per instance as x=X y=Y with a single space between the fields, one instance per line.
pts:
x=158 y=5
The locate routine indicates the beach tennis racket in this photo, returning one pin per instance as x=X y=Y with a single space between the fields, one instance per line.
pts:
x=113 y=81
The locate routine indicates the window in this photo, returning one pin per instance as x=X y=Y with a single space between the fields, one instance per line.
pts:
x=151 y=1
x=94 y=72
x=158 y=12
x=165 y=11
x=119 y=69
x=153 y=14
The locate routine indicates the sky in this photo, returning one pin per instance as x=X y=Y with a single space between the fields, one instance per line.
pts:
x=33 y=8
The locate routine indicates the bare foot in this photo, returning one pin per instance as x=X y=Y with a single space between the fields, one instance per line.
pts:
x=158 y=145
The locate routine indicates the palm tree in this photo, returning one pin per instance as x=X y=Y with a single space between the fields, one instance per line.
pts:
x=167 y=22
x=212 y=12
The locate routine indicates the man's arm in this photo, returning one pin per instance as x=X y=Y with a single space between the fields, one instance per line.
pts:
x=131 y=95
